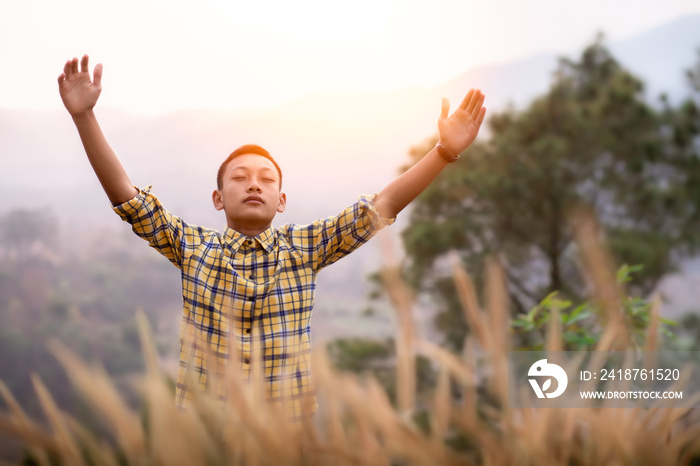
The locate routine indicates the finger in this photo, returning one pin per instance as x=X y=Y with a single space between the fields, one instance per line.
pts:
x=66 y=68
x=445 y=108
x=480 y=118
x=74 y=65
x=97 y=78
x=61 y=78
x=473 y=101
x=466 y=99
x=84 y=63
x=478 y=105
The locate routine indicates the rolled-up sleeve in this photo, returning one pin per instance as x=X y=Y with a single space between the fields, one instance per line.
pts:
x=165 y=232
x=326 y=241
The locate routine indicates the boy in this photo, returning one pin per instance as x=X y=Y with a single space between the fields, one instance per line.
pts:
x=254 y=284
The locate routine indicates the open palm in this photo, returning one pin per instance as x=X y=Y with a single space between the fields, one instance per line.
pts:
x=460 y=129
x=78 y=92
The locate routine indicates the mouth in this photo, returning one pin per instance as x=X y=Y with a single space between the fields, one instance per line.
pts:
x=253 y=200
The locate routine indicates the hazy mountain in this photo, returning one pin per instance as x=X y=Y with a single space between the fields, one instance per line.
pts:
x=331 y=147
x=659 y=56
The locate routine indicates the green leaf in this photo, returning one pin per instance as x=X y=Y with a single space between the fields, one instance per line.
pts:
x=580 y=316
x=666 y=321
x=624 y=273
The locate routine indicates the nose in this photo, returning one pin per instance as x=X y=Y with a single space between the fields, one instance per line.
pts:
x=254 y=186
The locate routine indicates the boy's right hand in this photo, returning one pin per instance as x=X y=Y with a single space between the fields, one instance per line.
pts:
x=78 y=92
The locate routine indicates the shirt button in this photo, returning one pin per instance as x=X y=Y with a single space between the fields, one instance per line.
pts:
x=251 y=299
x=246 y=360
x=250 y=242
x=247 y=330
x=251 y=276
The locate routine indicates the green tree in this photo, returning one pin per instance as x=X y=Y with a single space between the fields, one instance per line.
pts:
x=682 y=126
x=591 y=140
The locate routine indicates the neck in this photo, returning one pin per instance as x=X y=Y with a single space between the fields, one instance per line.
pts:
x=248 y=230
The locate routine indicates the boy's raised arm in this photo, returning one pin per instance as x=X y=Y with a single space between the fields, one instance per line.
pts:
x=79 y=94
x=457 y=132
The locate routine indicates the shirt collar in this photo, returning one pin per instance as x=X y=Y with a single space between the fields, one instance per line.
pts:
x=235 y=239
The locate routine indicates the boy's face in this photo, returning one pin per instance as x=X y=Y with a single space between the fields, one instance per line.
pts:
x=250 y=194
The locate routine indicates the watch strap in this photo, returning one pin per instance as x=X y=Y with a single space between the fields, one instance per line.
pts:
x=445 y=153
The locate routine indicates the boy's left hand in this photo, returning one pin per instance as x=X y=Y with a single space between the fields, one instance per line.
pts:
x=459 y=130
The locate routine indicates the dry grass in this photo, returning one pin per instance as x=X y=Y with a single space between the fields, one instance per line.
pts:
x=470 y=421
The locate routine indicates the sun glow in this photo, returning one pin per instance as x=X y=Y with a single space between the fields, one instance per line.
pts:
x=163 y=56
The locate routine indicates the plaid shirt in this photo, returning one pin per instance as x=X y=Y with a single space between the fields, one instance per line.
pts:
x=239 y=290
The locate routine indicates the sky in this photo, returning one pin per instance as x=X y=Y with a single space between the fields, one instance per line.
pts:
x=165 y=56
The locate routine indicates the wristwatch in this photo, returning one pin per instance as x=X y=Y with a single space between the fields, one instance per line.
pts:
x=445 y=153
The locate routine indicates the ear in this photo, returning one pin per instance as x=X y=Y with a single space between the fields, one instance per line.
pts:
x=283 y=203
x=218 y=199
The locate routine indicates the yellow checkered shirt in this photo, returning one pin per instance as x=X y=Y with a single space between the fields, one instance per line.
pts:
x=239 y=290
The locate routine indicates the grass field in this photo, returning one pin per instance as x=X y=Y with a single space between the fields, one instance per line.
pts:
x=469 y=421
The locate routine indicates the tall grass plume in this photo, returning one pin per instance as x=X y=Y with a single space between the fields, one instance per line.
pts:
x=470 y=421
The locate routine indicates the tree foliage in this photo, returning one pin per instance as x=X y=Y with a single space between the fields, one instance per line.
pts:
x=592 y=140
x=20 y=229
x=78 y=298
x=580 y=325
